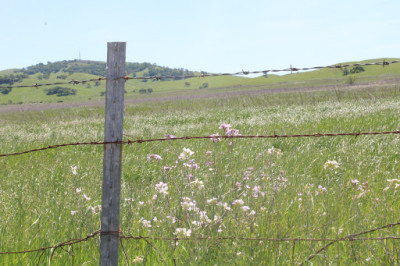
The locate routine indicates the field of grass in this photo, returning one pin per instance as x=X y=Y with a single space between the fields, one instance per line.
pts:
x=257 y=188
x=90 y=92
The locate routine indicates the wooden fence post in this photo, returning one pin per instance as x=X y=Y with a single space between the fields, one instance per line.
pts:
x=111 y=197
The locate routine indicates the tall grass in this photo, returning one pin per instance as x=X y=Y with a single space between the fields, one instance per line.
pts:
x=256 y=188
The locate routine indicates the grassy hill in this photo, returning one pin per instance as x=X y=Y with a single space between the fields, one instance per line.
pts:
x=83 y=70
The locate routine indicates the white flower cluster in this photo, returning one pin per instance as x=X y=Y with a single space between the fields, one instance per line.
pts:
x=185 y=154
x=153 y=157
x=198 y=184
x=162 y=188
x=189 y=205
x=331 y=165
x=274 y=151
x=183 y=232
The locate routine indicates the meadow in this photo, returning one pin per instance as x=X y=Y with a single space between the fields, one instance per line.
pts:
x=314 y=188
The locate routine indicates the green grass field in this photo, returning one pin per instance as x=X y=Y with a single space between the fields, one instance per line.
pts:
x=243 y=188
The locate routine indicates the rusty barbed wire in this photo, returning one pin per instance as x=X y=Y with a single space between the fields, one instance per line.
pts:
x=206 y=74
x=72 y=82
x=129 y=141
x=264 y=72
x=351 y=237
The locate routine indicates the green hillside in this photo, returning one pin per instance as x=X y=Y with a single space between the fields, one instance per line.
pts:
x=66 y=71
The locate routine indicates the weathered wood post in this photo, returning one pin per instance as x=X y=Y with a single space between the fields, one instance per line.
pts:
x=111 y=197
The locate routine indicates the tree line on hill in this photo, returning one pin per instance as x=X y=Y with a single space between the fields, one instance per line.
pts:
x=99 y=69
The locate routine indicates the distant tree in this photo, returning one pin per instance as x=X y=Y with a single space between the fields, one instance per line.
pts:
x=142 y=91
x=187 y=84
x=149 y=90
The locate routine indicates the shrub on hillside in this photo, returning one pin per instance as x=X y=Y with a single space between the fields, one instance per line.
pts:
x=5 y=90
x=354 y=70
x=60 y=91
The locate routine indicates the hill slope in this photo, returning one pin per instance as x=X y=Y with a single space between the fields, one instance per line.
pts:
x=83 y=70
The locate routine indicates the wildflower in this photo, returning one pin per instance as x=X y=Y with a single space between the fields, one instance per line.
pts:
x=145 y=223
x=224 y=126
x=275 y=151
x=215 y=138
x=232 y=132
x=331 y=165
x=78 y=190
x=169 y=136
x=173 y=219
x=252 y=212
x=141 y=203
x=168 y=168
x=247 y=175
x=321 y=188
x=86 y=197
x=93 y=210
x=355 y=182
x=162 y=188
x=192 y=165
x=185 y=154
x=189 y=204
x=153 y=157
x=154 y=197
x=73 y=169
x=245 y=208
x=208 y=153
x=204 y=218
x=197 y=223
x=256 y=191
x=137 y=259
x=183 y=232
x=212 y=201
x=239 y=201
x=197 y=184
x=74 y=212
x=224 y=205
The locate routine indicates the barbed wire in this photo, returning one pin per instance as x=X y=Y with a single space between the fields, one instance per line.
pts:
x=72 y=82
x=351 y=237
x=215 y=138
x=348 y=238
x=205 y=74
x=264 y=72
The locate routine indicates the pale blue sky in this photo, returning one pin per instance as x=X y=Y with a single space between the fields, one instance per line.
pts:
x=208 y=35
